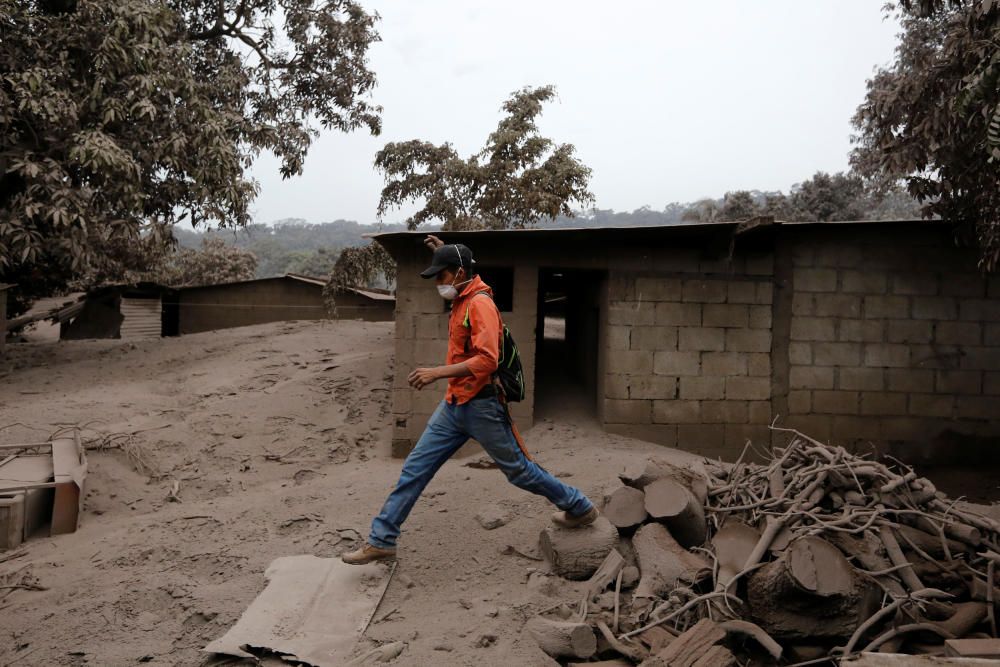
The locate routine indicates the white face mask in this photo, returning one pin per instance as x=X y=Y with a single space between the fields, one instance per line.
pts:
x=447 y=292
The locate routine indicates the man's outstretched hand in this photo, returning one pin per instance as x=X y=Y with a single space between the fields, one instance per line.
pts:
x=433 y=242
x=422 y=377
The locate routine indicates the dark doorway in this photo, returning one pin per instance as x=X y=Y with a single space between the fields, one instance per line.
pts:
x=566 y=357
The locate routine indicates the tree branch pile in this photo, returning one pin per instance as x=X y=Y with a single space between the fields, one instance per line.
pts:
x=816 y=554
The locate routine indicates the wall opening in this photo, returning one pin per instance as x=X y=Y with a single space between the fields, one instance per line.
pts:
x=566 y=344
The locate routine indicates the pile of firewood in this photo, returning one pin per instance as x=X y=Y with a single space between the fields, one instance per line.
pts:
x=817 y=554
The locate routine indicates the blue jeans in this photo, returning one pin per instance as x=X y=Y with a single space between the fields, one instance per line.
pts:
x=449 y=428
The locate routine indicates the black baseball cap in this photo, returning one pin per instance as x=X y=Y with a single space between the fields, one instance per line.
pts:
x=453 y=254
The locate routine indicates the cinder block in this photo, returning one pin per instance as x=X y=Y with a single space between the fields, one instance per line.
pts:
x=737 y=436
x=935 y=356
x=632 y=312
x=742 y=292
x=902 y=429
x=678 y=314
x=979 y=310
x=815 y=280
x=725 y=412
x=654 y=338
x=991 y=334
x=867 y=379
x=835 y=402
x=886 y=307
x=882 y=403
x=861 y=331
x=813 y=329
x=935 y=308
x=915 y=284
x=676 y=363
x=676 y=412
x=991 y=383
x=931 y=405
x=621 y=286
x=958 y=382
x=849 y=429
x=708 y=339
x=430 y=326
x=702 y=388
x=817 y=426
x=760 y=264
x=758 y=364
x=976 y=407
x=724 y=363
x=760 y=317
x=700 y=437
x=619 y=337
x=836 y=354
x=630 y=362
x=704 y=291
x=803 y=304
x=748 y=388
x=661 y=434
x=799 y=402
x=958 y=333
x=887 y=355
x=981 y=358
x=863 y=282
x=652 y=387
x=657 y=289
x=627 y=412
x=909 y=331
x=910 y=380
x=748 y=340
x=725 y=315
x=838 y=305
x=970 y=285
x=800 y=353
x=810 y=377
x=616 y=386
x=765 y=293
x=759 y=412
x=402 y=401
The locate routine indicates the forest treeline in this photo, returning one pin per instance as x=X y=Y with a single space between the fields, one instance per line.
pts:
x=294 y=245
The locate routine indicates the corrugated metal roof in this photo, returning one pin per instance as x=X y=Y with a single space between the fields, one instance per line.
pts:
x=682 y=228
x=288 y=276
x=376 y=296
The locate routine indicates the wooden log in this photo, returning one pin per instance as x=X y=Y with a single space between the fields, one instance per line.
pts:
x=930 y=544
x=732 y=544
x=663 y=563
x=698 y=646
x=606 y=572
x=624 y=507
x=576 y=553
x=810 y=592
x=656 y=469
x=867 y=549
x=671 y=502
x=562 y=638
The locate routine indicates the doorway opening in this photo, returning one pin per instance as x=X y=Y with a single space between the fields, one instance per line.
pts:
x=566 y=345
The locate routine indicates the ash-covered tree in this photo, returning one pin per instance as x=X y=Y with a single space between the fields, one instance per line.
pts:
x=360 y=266
x=932 y=118
x=518 y=179
x=120 y=118
x=215 y=262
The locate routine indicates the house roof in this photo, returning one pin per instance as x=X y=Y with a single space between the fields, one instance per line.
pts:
x=372 y=294
x=309 y=280
x=639 y=233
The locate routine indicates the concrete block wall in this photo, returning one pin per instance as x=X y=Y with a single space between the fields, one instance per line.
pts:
x=688 y=357
x=892 y=342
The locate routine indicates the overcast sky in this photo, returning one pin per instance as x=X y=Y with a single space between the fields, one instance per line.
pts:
x=665 y=101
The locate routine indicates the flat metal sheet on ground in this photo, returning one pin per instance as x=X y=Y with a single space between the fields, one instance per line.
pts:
x=313 y=610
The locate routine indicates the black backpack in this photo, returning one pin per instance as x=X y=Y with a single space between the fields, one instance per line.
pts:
x=509 y=371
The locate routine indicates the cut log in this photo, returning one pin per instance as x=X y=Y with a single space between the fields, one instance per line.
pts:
x=663 y=563
x=929 y=544
x=656 y=469
x=868 y=552
x=563 y=638
x=576 y=553
x=732 y=545
x=697 y=646
x=674 y=504
x=624 y=507
x=810 y=592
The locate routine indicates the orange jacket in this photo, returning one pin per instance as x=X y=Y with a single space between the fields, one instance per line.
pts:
x=474 y=329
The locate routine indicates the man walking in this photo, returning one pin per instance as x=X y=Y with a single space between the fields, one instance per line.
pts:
x=471 y=408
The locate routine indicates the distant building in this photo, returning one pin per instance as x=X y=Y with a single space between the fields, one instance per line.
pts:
x=288 y=297
x=699 y=335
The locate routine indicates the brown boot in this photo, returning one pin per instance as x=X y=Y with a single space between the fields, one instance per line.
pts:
x=567 y=520
x=368 y=553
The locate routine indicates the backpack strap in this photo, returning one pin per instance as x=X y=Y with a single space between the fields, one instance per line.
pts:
x=468 y=307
